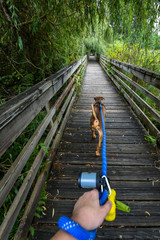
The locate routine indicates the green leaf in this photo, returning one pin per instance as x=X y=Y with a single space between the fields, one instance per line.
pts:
x=31 y=229
x=37 y=215
x=150 y=139
x=44 y=147
x=41 y=203
x=15 y=23
x=20 y=43
x=39 y=209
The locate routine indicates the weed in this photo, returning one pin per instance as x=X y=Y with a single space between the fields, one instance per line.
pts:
x=150 y=139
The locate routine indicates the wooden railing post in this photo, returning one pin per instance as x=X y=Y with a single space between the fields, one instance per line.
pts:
x=48 y=107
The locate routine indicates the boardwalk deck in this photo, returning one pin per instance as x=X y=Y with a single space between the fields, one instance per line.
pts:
x=130 y=165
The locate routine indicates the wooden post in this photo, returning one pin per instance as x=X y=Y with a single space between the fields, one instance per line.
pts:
x=48 y=107
x=135 y=79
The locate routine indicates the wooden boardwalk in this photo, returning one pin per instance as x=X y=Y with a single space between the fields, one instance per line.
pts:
x=130 y=165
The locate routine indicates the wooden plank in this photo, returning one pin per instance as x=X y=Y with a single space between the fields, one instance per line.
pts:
x=128 y=233
x=126 y=190
x=126 y=173
x=86 y=119
x=126 y=221
x=109 y=107
x=113 y=132
x=110 y=139
x=112 y=159
x=111 y=148
x=131 y=233
x=124 y=111
x=109 y=125
x=107 y=104
x=111 y=115
x=99 y=92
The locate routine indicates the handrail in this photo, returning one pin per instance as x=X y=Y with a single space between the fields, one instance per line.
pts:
x=29 y=104
x=15 y=116
x=117 y=71
x=139 y=72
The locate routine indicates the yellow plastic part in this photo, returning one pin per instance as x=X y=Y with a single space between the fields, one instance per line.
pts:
x=112 y=214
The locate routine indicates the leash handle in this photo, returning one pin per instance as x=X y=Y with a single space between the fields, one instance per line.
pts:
x=112 y=214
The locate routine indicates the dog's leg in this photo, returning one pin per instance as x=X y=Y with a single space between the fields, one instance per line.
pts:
x=93 y=111
x=100 y=132
x=93 y=132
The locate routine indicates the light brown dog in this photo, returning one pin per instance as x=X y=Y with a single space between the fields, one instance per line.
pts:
x=96 y=120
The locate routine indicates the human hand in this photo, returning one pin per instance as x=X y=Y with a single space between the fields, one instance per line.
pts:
x=88 y=212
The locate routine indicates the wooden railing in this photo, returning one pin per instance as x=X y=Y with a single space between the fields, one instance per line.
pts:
x=119 y=73
x=15 y=116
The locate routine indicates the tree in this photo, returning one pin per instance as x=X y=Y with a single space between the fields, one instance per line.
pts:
x=40 y=37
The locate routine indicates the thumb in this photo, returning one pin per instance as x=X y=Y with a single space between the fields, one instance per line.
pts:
x=106 y=208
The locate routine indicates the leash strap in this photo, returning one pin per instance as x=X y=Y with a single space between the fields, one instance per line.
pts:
x=103 y=195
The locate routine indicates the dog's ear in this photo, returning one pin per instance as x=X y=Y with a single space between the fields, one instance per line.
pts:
x=101 y=98
x=98 y=99
x=95 y=98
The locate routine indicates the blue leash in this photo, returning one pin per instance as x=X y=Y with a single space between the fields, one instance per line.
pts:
x=103 y=196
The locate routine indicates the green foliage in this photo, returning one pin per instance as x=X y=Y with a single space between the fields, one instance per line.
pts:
x=134 y=54
x=150 y=139
x=44 y=147
x=31 y=229
x=40 y=37
x=41 y=204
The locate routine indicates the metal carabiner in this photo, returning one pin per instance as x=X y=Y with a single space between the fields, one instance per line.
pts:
x=107 y=183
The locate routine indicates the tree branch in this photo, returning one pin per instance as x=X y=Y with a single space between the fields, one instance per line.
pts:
x=30 y=21
x=11 y=62
x=32 y=63
x=56 y=24
x=5 y=12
